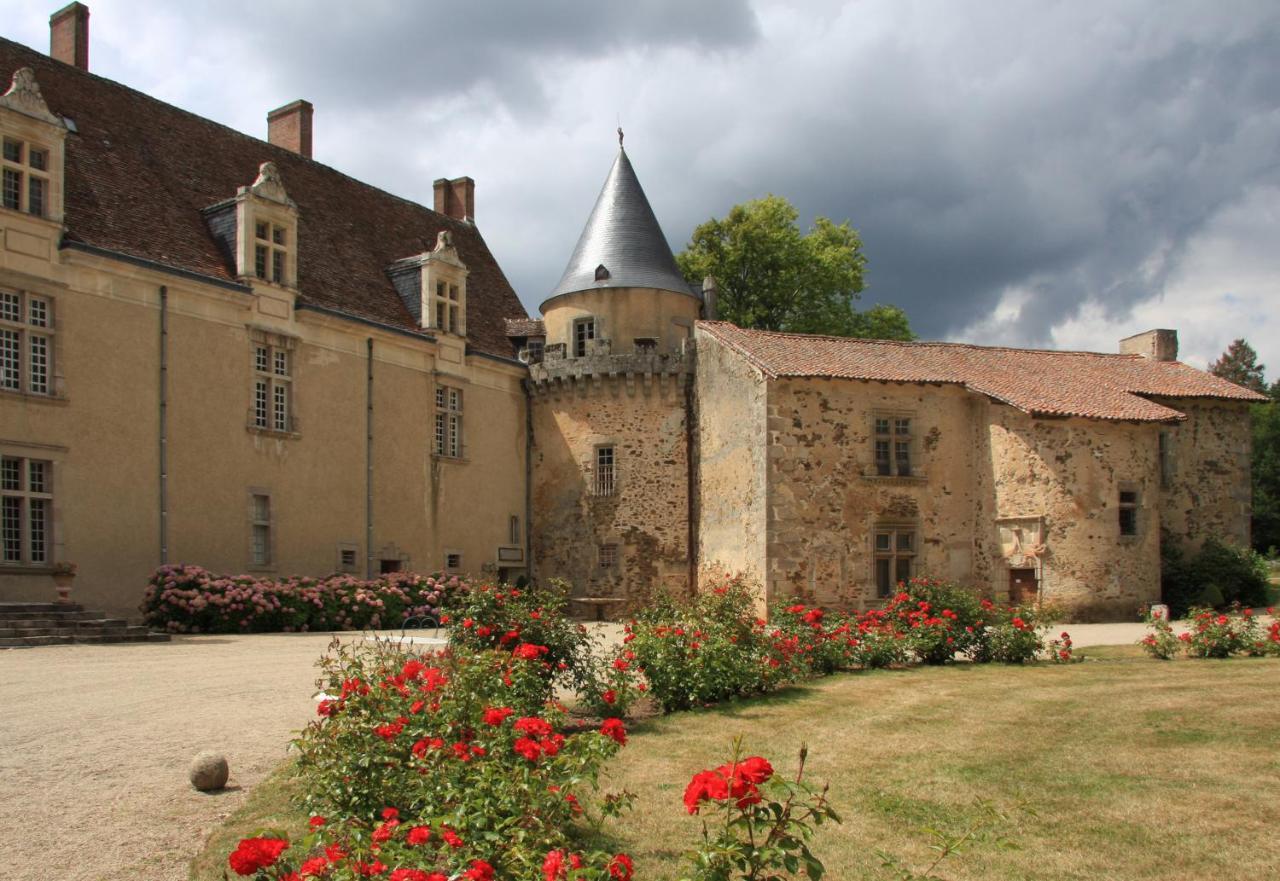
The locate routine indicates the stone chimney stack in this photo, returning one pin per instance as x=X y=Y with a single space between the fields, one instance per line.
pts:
x=709 y=292
x=69 y=35
x=290 y=127
x=456 y=198
x=1158 y=345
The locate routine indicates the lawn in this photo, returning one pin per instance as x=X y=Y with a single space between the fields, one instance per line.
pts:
x=1135 y=769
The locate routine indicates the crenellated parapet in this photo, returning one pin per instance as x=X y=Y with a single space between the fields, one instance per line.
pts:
x=643 y=369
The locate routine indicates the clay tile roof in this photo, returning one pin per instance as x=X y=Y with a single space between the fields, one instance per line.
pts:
x=139 y=171
x=1046 y=383
x=525 y=327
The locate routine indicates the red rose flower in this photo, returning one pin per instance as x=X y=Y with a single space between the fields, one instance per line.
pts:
x=609 y=697
x=385 y=831
x=479 y=871
x=253 y=854
x=533 y=726
x=527 y=748
x=527 y=651
x=615 y=730
x=497 y=715
x=314 y=867
x=317 y=822
x=390 y=814
x=621 y=868
x=451 y=838
x=553 y=868
x=418 y=835
x=704 y=785
x=334 y=853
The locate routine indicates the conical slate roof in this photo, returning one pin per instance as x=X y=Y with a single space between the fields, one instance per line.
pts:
x=624 y=238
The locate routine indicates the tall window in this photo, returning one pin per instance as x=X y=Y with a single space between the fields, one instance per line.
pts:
x=270 y=251
x=26 y=510
x=893 y=446
x=584 y=329
x=259 y=529
x=448 y=306
x=607 y=555
x=606 y=477
x=26 y=343
x=272 y=387
x=895 y=553
x=448 y=421
x=513 y=531
x=25 y=171
x=1128 y=512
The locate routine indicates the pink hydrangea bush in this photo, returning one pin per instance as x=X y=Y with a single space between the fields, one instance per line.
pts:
x=189 y=599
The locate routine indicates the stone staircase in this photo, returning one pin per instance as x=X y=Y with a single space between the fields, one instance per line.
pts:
x=23 y=625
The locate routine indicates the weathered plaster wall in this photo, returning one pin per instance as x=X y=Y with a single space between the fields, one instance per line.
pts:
x=622 y=315
x=825 y=499
x=1206 y=489
x=644 y=418
x=730 y=406
x=1068 y=474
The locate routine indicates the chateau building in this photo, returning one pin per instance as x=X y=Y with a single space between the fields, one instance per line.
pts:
x=217 y=350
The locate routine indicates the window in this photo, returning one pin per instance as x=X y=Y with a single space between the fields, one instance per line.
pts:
x=893 y=446
x=348 y=558
x=259 y=529
x=272 y=386
x=607 y=554
x=448 y=421
x=606 y=477
x=534 y=351
x=26 y=343
x=895 y=552
x=453 y=561
x=26 y=510
x=1128 y=512
x=583 y=329
x=513 y=531
x=448 y=306
x=25 y=177
x=270 y=252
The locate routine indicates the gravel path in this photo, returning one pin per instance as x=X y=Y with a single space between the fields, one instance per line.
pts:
x=95 y=742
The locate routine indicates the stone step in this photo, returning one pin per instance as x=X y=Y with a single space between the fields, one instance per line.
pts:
x=11 y=608
x=58 y=614
x=33 y=641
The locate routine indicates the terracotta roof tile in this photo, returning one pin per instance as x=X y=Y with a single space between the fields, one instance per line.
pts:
x=139 y=171
x=1085 y=384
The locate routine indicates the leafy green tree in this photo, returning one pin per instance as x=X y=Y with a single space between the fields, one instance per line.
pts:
x=1266 y=476
x=1239 y=364
x=772 y=276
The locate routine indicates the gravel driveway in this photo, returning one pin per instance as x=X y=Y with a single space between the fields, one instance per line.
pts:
x=95 y=742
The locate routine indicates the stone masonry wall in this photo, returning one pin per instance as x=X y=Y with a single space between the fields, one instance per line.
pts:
x=644 y=418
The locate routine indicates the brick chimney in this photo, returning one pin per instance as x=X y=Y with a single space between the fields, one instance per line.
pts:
x=290 y=127
x=69 y=35
x=1158 y=345
x=456 y=198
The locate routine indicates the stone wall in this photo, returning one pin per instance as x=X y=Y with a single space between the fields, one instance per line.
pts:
x=730 y=400
x=644 y=417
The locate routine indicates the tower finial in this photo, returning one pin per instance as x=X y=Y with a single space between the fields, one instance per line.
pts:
x=619 y=136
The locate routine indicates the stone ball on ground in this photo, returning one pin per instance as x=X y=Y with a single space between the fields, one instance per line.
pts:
x=209 y=771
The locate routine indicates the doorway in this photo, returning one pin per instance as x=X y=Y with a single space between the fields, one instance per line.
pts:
x=1024 y=587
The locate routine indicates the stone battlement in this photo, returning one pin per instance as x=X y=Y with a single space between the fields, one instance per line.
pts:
x=601 y=362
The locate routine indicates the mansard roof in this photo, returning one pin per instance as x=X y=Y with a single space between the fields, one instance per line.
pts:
x=622 y=245
x=139 y=172
x=1040 y=382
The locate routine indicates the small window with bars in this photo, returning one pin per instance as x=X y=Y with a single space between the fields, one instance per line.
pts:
x=607 y=556
x=448 y=436
x=26 y=343
x=605 y=482
x=271 y=252
x=26 y=511
x=892 y=439
x=24 y=177
x=272 y=405
x=894 y=554
x=260 y=550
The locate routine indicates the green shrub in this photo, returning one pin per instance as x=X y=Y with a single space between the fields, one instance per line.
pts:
x=1219 y=575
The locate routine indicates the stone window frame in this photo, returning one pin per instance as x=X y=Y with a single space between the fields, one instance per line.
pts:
x=20 y=493
x=1133 y=508
x=583 y=332
x=28 y=337
x=893 y=553
x=272 y=250
x=273 y=400
x=515 y=537
x=604 y=481
x=895 y=447
x=262 y=530
x=448 y=437
x=19 y=174
x=345 y=550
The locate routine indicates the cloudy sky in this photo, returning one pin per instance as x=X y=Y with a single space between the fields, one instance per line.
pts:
x=1026 y=173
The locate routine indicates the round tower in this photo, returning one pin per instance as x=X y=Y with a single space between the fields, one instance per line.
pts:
x=610 y=408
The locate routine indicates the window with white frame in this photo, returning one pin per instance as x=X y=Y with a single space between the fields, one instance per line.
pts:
x=26 y=343
x=895 y=554
x=448 y=307
x=448 y=440
x=606 y=476
x=24 y=169
x=259 y=529
x=584 y=330
x=272 y=386
x=271 y=252
x=893 y=445
x=26 y=511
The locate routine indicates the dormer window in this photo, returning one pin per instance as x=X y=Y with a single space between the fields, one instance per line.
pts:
x=448 y=302
x=271 y=252
x=25 y=177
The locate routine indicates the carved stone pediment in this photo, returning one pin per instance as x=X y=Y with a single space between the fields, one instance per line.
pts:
x=1022 y=540
x=268 y=184
x=24 y=97
x=445 y=251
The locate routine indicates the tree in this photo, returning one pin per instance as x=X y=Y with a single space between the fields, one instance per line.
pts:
x=771 y=276
x=1239 y=364
x=1266 y=476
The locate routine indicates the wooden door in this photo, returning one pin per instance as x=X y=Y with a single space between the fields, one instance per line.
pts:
x=1023 y=586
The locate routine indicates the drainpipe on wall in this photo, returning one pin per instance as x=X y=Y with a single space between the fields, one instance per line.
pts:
x=164 y=425
x=528 y=479
x=368 y=458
